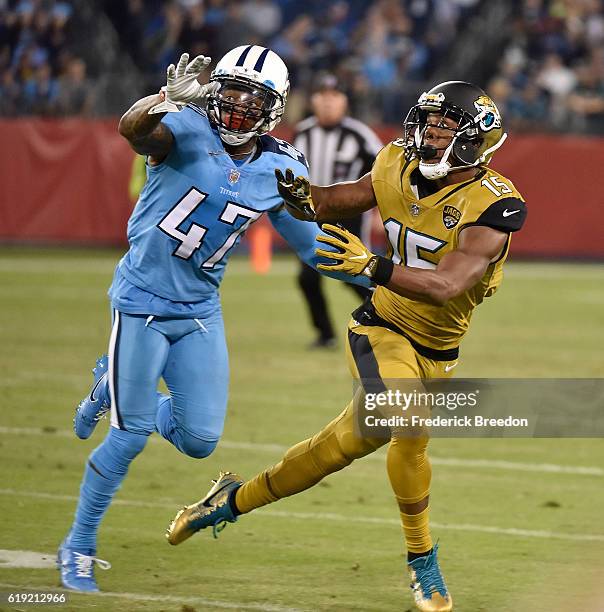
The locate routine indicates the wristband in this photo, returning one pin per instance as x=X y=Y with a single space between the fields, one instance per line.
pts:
x=379 y=270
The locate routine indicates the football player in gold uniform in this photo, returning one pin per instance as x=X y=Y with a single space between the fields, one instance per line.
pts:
x=448 y=219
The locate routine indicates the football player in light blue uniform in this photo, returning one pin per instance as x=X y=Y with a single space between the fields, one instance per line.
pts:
x=210 y=174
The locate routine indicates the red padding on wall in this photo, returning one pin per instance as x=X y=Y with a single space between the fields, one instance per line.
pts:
x=559 y=177
x=64 y=181
x=67 y=181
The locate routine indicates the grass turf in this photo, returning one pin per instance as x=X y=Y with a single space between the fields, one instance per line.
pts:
x=337 y=546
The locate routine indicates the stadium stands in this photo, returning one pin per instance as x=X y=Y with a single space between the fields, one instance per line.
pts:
x=542 y=60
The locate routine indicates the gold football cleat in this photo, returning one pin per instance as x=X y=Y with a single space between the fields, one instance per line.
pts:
x=214 y=510
x=428 y=584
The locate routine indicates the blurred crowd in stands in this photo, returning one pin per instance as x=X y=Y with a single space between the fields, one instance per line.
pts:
x=547 y=72
x=39 y=75
x=551 y=75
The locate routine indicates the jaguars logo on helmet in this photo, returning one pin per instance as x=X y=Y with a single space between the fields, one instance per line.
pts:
x=491 y=118
x=477 y=134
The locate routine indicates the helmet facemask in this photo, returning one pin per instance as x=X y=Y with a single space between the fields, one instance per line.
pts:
x=241 y=109
x=469 y=145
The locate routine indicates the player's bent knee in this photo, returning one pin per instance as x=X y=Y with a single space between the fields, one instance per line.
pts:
x=197 y=448
x=409 y=446
x=128 y=443
x=117 y=451
x=328 y=455
x=333 y=452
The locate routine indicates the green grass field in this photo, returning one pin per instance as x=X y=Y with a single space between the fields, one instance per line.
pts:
x=515 y=534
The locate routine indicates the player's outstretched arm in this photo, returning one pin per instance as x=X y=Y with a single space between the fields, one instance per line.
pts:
x=312 y=203
x=141 y=125
x=304 y=239
x=144 y=132
x=343 y=200
x=456 y=272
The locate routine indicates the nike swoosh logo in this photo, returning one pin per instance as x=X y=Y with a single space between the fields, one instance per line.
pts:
x=98 y=382
x=361 y=257
x=207 y=503
x=450 y=366
x=507 y=213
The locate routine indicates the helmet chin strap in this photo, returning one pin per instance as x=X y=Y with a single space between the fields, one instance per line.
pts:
x=234 y=139
x=492 y=149
x=443 y=167
x=238 y=138
x=439 y=170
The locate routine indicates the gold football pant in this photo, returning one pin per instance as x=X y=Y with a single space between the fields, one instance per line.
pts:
x=379 y=355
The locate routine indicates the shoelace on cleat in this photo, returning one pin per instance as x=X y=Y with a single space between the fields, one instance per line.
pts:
x=218 y=526
x=85 y=563
x=101 y=413
x=430 y=577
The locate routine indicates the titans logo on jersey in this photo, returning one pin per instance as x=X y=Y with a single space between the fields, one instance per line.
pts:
x=192 y=212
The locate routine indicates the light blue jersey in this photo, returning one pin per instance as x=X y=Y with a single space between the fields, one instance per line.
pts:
x=167 y=319
x=193 y=211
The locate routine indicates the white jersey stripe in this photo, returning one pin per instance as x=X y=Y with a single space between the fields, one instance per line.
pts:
x=115 y=421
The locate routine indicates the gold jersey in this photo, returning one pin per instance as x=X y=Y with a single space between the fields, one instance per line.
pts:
x=422 y=227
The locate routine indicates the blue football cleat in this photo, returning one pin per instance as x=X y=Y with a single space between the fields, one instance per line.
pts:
x=428 y=584
x=77 y=568
x=96 y=405
x=214 y=510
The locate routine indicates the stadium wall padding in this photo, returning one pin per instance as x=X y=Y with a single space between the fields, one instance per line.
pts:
x=66 y=181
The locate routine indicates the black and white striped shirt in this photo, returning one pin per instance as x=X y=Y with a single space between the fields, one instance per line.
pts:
x=341 y=153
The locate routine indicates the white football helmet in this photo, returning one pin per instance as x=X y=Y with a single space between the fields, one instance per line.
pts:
x=262 y=76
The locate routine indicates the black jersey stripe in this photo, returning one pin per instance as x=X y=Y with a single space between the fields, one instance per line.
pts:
x=366 y=362
x=405 y=166
x=461 y=186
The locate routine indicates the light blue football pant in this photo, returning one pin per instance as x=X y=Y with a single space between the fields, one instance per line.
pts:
x=191 y=356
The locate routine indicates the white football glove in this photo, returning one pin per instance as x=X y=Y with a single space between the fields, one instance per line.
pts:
x=182 y=85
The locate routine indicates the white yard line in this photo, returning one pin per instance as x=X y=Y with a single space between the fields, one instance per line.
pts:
x=550 y=468
x=174 y=599
x=27 y=559
x=546 y=468
x=281 y=266
x=338 y=518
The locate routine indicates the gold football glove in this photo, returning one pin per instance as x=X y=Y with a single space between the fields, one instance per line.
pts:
x=295 y=192
x=352 y=256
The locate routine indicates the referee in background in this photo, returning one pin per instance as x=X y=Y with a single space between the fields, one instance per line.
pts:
x=338 y=148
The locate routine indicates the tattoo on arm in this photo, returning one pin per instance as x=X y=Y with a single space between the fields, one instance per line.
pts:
x=144 y=132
